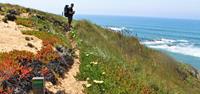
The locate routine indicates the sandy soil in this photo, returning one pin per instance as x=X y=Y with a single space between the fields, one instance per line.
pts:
x=70 y=85
x=11 y=38
x=24 y=15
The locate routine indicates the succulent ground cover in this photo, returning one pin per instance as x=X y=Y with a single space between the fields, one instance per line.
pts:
x=17 y=68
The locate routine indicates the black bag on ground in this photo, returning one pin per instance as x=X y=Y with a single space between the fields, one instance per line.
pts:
x=66 y=11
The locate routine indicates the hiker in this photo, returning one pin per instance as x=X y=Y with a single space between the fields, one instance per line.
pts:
x=68 y=12
x=70 y=16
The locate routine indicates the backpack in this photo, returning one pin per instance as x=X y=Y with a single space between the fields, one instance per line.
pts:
x=66 y=11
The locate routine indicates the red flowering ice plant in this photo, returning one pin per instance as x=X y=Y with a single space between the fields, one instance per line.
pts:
x=47 y=54
x=7 y=69
x=9 y=91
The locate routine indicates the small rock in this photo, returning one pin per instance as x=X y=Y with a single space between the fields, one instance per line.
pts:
x=60 y=92
x=27 y=38
x=32 y=38
x=30 y=45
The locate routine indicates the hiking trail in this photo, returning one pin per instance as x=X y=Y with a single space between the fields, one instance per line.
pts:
x=69 y=84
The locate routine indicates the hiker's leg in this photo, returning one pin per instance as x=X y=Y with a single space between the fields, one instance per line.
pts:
x=70 y=21
x=67 y=25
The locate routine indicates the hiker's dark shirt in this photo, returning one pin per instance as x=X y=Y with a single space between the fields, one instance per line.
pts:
x=71 y=12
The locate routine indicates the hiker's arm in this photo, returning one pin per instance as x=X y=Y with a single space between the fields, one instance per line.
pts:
x=73 y=12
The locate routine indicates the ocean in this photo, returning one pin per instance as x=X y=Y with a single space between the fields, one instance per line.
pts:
x=179 y=38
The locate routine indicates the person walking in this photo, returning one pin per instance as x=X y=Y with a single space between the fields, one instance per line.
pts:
x=69 y=13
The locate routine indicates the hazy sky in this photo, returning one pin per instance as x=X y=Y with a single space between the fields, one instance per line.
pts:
x=189 y=9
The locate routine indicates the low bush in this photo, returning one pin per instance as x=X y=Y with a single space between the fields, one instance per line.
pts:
x=25 y=22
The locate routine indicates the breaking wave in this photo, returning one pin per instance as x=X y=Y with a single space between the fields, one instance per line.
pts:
x=118 y=28
x=177 y=46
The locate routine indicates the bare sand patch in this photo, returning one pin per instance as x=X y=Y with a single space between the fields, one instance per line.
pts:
x=24 y=15
x=11 y=38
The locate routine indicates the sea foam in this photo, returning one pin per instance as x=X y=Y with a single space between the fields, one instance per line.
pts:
x=176 y=46
x=117 y=28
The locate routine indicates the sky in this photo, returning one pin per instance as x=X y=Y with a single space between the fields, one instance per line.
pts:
x=186 y=9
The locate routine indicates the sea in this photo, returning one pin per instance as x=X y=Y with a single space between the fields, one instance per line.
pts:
x=179 y=38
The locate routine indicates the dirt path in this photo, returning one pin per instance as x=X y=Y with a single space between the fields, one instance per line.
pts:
x=70 y=85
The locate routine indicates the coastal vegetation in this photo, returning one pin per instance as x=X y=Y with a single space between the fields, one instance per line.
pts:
x=127 y=67
x=111 y=62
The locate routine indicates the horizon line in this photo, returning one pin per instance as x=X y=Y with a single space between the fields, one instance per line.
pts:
x=159 y=17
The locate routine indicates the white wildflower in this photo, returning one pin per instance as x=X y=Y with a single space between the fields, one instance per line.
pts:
x=103 y=73
x=87 y=54
x=87 y=78
x=94 y=63
x=88 y=85
x=98 y=82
